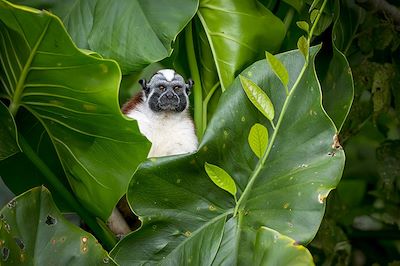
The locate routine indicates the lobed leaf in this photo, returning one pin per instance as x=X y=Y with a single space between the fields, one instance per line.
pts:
x=285 y=192
x=221 y=178
x=258 y=97
x=258 y=139
x=337 y=82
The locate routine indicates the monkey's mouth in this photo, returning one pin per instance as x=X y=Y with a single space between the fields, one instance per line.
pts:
x=168 y=104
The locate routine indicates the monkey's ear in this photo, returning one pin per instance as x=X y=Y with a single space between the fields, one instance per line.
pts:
x=144 y=85
x=189 y=86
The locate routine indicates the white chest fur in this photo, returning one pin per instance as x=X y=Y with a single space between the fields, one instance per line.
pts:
x=169 y=133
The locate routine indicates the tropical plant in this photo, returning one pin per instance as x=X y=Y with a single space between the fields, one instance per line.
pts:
x=254 y=192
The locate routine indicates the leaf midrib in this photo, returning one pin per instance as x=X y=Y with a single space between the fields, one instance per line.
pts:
x=24 y=73
x=263 y=159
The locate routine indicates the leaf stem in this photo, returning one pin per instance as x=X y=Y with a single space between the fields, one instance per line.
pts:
x=316 y=21
x=205 y=104
x=272 y=123
x=263 y=159
x=105 y=236
x=194 y=71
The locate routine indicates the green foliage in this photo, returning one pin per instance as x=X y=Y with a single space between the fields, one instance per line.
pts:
x=258 y=139
x=221 y=178
x=282 y=190
x=263 y=123
x=258 y=97
x=80 y=114
x=34 y=232
x=9 y=144
x=363 y=214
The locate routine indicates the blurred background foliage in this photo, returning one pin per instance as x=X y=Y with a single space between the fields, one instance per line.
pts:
x=361 y=225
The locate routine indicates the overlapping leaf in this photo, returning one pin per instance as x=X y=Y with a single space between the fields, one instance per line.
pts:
x=233 y=45
x=75 y=97
x=182 y=209
x=34 y=232
x=337 y=82
x=133 y=32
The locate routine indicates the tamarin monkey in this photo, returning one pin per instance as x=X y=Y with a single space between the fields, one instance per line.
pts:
x=161 y=110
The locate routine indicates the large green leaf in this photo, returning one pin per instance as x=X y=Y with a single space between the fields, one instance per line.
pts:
x=20 y=179
x=283 y=191
x=234 y=46
x=75 y=97
x=138 y=32
x=34 y=232
x=133 y=32
x=8 y=144
x=337 y=82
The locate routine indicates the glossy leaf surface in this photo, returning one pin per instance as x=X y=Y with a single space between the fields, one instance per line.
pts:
x=221 y=178
x=337 y=83
x=258 y=97
x=135 y=33
x=278 y=68
x=258 y=139
x=233 y=45
x=8 y=134
x=284 y=190
x=75 y=96
x=34 y=232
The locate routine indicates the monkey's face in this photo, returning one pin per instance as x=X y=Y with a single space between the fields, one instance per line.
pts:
x=167 y=91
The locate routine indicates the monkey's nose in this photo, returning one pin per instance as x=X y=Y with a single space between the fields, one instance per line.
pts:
x=169 y=95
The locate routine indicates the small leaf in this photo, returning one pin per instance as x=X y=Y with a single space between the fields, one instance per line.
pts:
x=313 y=5
x=258 y=139
x=278 y=68
x=303 y=25
x=314 y=15
x=258 y=97
x=221 y=178
x=302 y=44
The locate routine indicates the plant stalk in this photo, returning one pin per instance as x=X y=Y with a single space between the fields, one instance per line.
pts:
x=287 y=21
x=194 y=71
x=321 y=10
x=205 y=104
x=105 y=236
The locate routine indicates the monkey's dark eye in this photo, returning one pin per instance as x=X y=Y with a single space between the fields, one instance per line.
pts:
x=176 y=88
x=162 y=88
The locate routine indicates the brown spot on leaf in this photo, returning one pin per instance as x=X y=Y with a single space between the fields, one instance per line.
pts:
x=336 y=143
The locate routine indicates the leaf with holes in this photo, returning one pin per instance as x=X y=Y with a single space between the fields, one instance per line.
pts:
x=34 y=232
x=75 y=96
x=283 y=191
